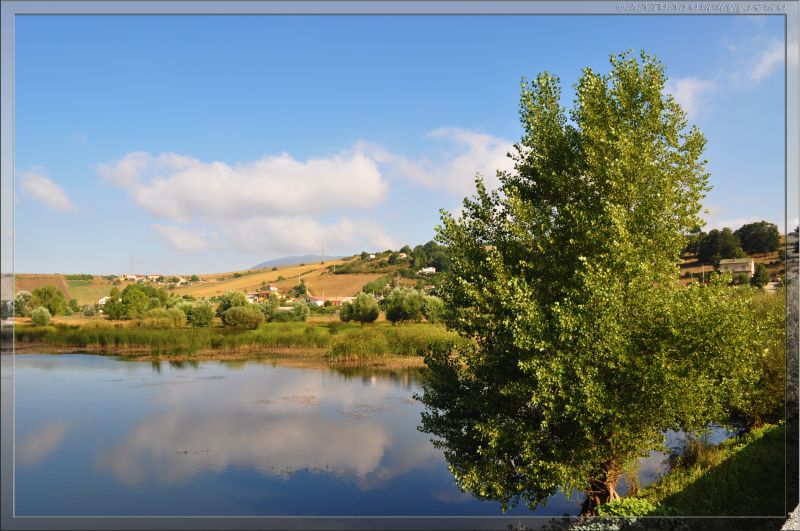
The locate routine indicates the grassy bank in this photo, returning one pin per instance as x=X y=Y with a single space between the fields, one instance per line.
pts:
x=335 y=341
x=743 y=476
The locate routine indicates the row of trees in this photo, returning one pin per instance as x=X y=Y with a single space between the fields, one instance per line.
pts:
x=752 y=238
x=237 y=312
x=401 y=305
x=47 y=297
x=157 y=308
x=431 y=254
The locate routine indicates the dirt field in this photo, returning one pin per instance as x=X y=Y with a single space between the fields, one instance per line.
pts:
x=24 y=282
x=249 y=280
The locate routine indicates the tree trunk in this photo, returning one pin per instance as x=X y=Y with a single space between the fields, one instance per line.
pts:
x=600 y=491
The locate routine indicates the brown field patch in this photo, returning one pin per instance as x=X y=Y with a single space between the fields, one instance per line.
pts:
x=30 y=282
x=250 y=281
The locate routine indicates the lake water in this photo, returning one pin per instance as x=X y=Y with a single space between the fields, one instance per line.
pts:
x=100 y=436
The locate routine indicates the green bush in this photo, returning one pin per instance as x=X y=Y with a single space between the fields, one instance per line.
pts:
x=163 y=318
x=364 y=308
x=40 y=316
x=242 y=317
x=300 y=311
x=404 y=304
x=626 y=507
x=51 y=298
x=232 y=299
x=23 y=303
x=199 y=315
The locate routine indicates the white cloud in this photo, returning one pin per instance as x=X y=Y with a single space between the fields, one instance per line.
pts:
x=182 y=239
x=768 y=61
x=276 y=204
x=40 y=444
x=304 y=234
x=688 y=91
x=180 y=188
x=40 y=188
x=460 y=154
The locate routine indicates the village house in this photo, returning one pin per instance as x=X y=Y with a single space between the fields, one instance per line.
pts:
x=103 y=300
x=402 y=255
x=335 y=301
x=737 y=265
x=427 y=271
x=261 y=295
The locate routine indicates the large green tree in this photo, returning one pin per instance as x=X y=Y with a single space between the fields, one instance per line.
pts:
x=584 y=348
x=719 y=244
x=759 y=237
x=50 y=297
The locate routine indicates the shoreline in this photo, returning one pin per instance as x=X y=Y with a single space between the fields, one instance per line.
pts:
x=293 y=357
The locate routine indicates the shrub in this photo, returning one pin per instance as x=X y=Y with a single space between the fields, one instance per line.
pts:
x=89 y=311
x=232 y=299
x=404 y=304
x=346 y=312
x=200 y=314
x=761 y=276
x=433 y=309
x=242 y=317
x=364 y=308
x=300 y=311
x=51 y=298
x=626 y=507
x=163 y=318
x=22 y=303
x=40 y=316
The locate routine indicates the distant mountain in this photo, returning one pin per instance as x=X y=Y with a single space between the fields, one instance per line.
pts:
x=292 y=260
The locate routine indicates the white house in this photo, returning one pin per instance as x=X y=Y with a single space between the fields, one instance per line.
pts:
x=427 y=271
x=103 y=300
x=402 y=255
x=737 y=265
x=371 y=257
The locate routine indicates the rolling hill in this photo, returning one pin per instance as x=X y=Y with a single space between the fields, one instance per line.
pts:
x=294 y=260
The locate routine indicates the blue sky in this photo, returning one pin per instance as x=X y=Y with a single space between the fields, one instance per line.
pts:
x=199 y=144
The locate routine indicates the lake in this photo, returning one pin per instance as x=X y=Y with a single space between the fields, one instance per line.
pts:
x=100 y=436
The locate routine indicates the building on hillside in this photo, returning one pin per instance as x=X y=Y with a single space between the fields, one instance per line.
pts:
x=315 y=301
x=337 y=301
x=737 y=266
x=261 y=295
x=372 y=257
x=103 y=300
x=402 y=255
x=427 y=271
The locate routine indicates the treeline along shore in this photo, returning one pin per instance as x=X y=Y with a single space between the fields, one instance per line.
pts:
x=331 y=342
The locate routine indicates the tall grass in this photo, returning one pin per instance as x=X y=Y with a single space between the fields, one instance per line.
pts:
x=342 y=341
x=380 y=340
